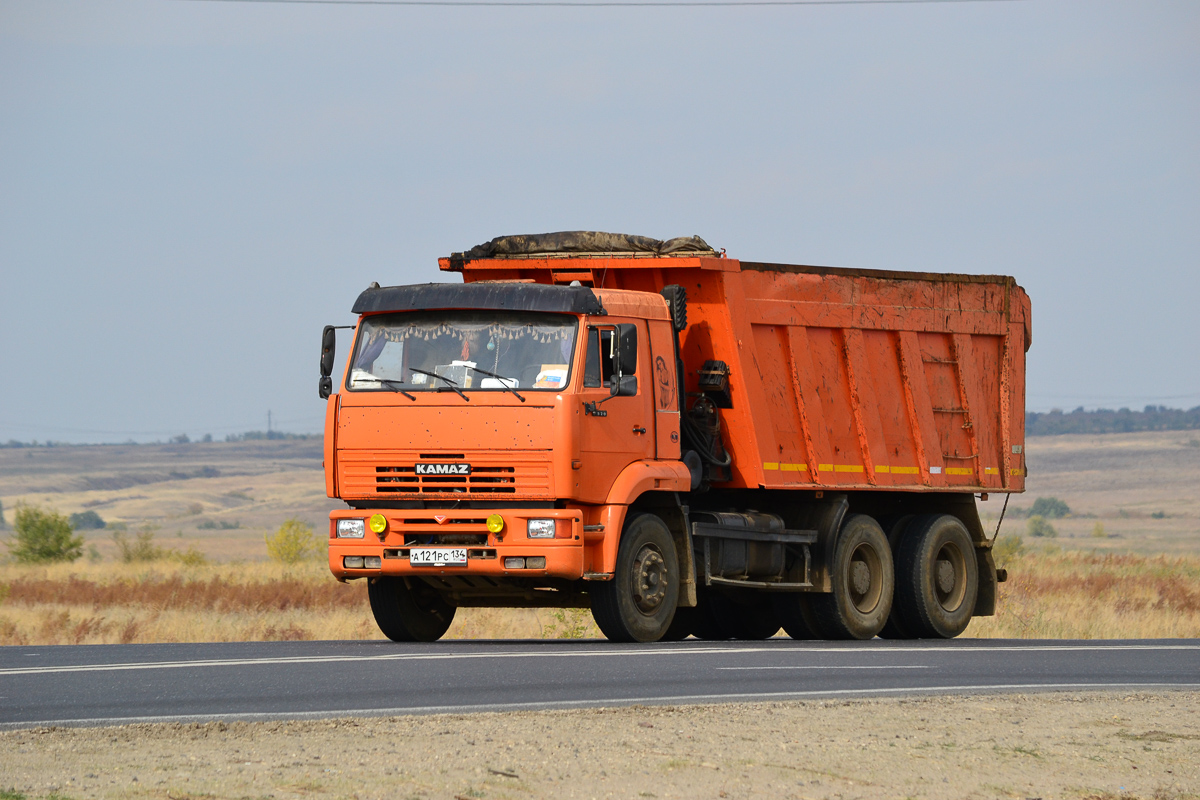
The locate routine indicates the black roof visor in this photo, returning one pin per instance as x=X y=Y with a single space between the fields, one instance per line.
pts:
x=482 y=295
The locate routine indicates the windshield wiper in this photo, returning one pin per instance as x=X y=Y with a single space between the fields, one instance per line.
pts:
x=401 y=383
x=503 y=380
x=449 y=383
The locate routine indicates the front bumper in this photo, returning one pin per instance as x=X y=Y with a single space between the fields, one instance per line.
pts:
x=465 y=528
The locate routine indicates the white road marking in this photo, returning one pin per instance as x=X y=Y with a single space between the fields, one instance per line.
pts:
x=834 y=666
x=606 y=702
x=580 y=653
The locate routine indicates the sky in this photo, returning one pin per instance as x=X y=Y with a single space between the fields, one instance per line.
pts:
x=190 y=190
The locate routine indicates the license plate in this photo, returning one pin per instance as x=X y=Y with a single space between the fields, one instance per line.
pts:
x=437 y=556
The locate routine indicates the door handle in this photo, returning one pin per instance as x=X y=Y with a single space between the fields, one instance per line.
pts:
x=638 y=429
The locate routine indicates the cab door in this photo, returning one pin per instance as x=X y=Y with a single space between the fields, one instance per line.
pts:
x=616 y=430
x=666 y=394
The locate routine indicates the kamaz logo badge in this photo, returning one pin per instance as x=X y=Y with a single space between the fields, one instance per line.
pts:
x=443 y=469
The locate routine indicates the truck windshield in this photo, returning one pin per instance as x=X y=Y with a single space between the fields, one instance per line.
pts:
x=468 y=350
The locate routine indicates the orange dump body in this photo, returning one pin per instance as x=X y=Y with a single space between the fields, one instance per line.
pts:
x=840 y=379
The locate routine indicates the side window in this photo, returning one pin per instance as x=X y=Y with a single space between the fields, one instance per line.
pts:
x=598 y=369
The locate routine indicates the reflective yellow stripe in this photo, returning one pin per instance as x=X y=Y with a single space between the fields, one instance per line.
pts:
x=991 y=471
x=1018 y=472
x=785 y=467
x=959 y=471
x=847 y=468
x=825 y=467
x=882 y=468
x=904 y=470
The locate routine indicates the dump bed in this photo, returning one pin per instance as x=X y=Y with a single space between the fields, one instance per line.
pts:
x=854 y=379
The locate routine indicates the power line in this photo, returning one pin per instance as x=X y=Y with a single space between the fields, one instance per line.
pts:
x=602 y=3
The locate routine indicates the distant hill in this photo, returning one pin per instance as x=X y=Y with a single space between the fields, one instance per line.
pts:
x=1103 y=420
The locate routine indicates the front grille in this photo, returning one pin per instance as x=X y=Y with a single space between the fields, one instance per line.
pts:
x=445 y=538
x=393 y=475
x=482 y=480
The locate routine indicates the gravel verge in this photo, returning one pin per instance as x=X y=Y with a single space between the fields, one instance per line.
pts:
x=1102 y=746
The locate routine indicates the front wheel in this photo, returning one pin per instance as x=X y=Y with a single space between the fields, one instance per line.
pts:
x=409 y=610
x=639 y=603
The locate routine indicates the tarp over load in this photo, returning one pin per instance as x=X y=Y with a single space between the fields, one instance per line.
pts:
x=581 y=242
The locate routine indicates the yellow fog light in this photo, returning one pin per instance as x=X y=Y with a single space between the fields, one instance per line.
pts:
x=495 y=523
x=377 y=523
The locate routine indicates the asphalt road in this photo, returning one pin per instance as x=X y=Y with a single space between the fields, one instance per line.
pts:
x=115 y=684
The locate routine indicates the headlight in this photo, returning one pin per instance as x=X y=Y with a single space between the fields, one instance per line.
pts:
x=351 y=529
x=540 y=529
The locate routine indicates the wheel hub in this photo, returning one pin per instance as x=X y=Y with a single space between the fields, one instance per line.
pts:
x=945 y=577
x=864 y=579
x=949 y=577
x=860 y=577
x=649 y=579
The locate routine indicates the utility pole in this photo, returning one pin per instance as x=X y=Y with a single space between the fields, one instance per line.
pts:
x=268 y=424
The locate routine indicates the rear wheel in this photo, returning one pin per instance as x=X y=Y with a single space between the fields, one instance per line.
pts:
x=638 y=604
x=894 y=628
x=863 y=581
x=408 y=609
x=937 y=578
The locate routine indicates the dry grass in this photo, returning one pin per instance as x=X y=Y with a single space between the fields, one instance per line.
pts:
x=1051 y=593
x=1139 y=488
x=1058 y=594
x=166 y=602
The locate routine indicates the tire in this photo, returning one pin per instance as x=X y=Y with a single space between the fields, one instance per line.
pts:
x=408 y=610
x=894 y=628
x=638 y=604
x=937 y=578
x=792 y=610
x=863 y=581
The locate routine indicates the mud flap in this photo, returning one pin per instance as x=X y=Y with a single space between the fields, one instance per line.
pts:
x=985 y=602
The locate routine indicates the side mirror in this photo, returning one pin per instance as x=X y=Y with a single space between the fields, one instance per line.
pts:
x=627 y=347
x=625 y=386
x=328 y=346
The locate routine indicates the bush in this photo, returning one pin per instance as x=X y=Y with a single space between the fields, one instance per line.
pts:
x=294 y=542
x=1098 y=531
x=1038 y=526
x=43 y=536
x=192 y=557
x=86 y=521
x=141 y=547
x=3 y=524
x=1008 y=548
x=1050 y=508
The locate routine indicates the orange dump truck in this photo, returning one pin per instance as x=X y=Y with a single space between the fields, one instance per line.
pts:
x=685 y=443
